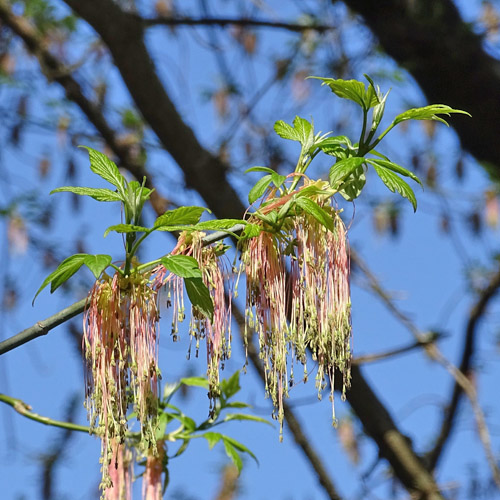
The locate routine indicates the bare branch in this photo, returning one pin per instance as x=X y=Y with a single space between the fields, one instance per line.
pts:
x=54 y=70
x=462 y=383
x=228 y=21
x=475 y=317
x=123 y=33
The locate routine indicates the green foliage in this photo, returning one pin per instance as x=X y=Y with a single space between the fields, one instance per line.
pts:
x=199 y=296
x=189 y=429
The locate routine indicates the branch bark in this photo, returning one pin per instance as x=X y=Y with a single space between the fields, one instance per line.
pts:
x=447 y=60
x=123 y=33
x=55 y=71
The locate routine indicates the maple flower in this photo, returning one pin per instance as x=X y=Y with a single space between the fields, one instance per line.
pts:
x=298 y=296
x=216 y=330
x=120 y=473
x=120 y=342
x=152 y=485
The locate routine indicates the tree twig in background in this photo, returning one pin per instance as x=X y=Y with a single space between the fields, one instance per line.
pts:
x=462 y=383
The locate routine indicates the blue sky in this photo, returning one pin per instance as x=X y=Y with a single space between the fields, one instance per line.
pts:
x=421 y=267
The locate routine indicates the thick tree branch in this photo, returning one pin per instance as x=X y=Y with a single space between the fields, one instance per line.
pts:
x=447 y=60
x=55 y=71
x=123 y=34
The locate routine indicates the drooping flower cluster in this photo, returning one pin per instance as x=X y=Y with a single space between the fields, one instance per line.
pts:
x=216 y=330
x=152 y=484
x=298 y=298
x=120 y=347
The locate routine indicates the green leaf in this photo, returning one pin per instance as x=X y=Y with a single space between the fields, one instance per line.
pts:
x=351 y=188
x=252 y=230
x=395 y=183
x=312 y=208
x=428 y=113
x=305 y=132
x=232 y=453
x=127 y=228
x=97 y=194
x=199 y=296
x=395 y=168
x=195 y=382
x=260 y=169
x=286 y=131
x=243 y=416
x=182 y=265
x=212 y=437
x=260 y=187
x=236 y=404
x=182 y=216
x=97 y=263
x=353 y=90
x=64 y=271
x=101 y=165
x=239 y=446
x=341 y=170
x=278 y=179
x=229 y=387
x=218 y=224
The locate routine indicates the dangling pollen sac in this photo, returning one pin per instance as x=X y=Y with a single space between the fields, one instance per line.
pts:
x=120 y=344
x=298 y=299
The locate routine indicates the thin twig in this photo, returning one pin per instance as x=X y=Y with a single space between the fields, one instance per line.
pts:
x=462 y=383
x=475 y=315
x=25 y=410
x=228 y=21
x=370 y=358
x=43 y=327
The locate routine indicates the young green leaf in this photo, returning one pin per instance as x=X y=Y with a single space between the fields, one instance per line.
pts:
x=182 y=265
x=341 y=170
x=351 y=188
x=195 y=382
x=278 y=179
x=305 y=132
x=286 y=131
x=395 y=168
x=101 y=165
x=353 y=90
x=127 y=228
x=395 y=183
x=428 y=113
x=218 y=224
x=96 y=193
x=252 y=230
x=97 y=263
x=182 y=216
x=239 y=446
x=64 y=271
x=212 y=437
x=244 y=416
x=260 y=169
x=229 y=387
x=199 y=296
x=232 y=453
x=260 y=187
x=316 y=211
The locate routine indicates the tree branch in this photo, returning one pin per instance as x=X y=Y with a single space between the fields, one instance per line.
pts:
x=227 y=21
x=447 y=60
x=123 y=33
x=43 y=327
x=56 y=71
x=450 y=412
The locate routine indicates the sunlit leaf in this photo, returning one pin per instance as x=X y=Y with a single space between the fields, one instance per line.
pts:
x=395 y=183
x=182 y=265
x=95 y=193
x=428 y=113
x=199 y=296
x=316 y=211
x=101 y=165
